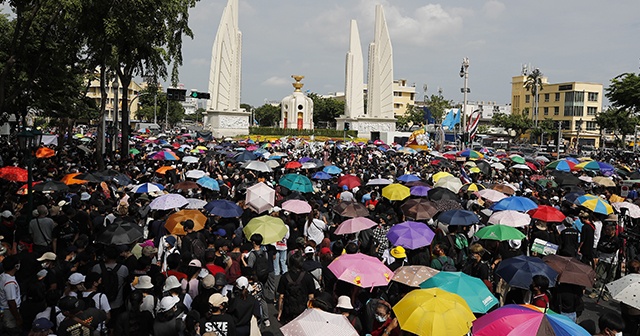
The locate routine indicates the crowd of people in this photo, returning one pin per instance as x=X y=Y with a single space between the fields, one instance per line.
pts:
x=60 y=277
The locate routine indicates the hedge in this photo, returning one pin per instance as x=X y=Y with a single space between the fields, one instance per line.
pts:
x=331 y=133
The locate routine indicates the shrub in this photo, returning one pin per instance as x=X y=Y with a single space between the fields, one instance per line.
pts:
x=331 y=133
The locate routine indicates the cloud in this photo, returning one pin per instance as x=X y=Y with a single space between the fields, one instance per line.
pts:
x=200 y=62
x=493 y=9
x=276 y=81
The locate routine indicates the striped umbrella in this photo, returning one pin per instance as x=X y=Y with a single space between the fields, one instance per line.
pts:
x=595 y=204
x=561 y=165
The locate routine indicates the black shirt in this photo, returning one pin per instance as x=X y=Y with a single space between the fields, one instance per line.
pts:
x=569 y=242
x=222 y=324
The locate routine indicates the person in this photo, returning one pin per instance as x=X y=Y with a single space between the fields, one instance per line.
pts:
x=385 y=324
x=399 y=255
x=476 y=266
x=169 y=320
x=135 y=321
x=312 y=266
x=569 y=239
x=41 y=327
x=539 y=295
x=10 y=297
x=169 y=248
x=217 y=321
x=610 y=324
x=257 y=260
x=314 y=228
x=631 y=315
x=442 y=262
x=92 y=298
x=77 y=319
x=114 y=285
x=280 y=261
x=193 y=242
x=586 y=238
x=607 y=249
x=148 y=302
x=345 y=308
x=172 y=287
x=295 y=289
x=41 y=229
x=566 y=299
x=243 y=307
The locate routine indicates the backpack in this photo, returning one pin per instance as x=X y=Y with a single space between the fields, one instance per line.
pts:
x=88 y=300
x=447 y=266
x=197 y=248
x=110 y=281
x=295 y=298
x=458 y=249
x=261 y=265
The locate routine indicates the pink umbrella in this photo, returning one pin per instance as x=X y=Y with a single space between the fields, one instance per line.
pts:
x=362 y=270
x=491 y=195
x=355 y=225
x=510 y=218
x=296 y=206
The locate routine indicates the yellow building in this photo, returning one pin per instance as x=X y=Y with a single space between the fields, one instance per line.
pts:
x=132 y=92
x=575 y=104
x=403 y=96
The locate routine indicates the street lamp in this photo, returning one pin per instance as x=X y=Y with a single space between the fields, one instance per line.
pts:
x=28 y=141
x=464 y=73
x=578 y=127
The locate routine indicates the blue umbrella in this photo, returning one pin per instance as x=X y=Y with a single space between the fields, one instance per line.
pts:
x=420 y=191
x=147 y=187
x=321 y=176
x=408 y=178
x=517 y=203
x=209 y=183
x=459 y=217
x=333 y=170
x=245 y=156
x=223 y=208
x=519 y=271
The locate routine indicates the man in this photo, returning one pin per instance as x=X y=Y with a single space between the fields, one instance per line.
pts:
x=442 y=262
x=98 y=300
x=607 y=248
x=218 y=322
x=312 y=266
x=168 y=248
x=41 y=229
x=10 y=297
x=78 y=321
x=193 y=242
x=296 y=289
x=346 y=195
x=114 y=285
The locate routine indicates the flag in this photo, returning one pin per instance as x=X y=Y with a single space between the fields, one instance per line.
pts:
x=472 y=126
x=456 y=119
x=448 y=121
x=464 y=177
x=428 y=117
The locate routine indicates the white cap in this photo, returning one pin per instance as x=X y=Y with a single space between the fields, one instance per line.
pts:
x=242 y=282
x=76 y=279
x=47 y=256
x=344 y=302
x=309 y=249
x=167 y=303
x=6 y=214
x=85 y=196
x=515 y=244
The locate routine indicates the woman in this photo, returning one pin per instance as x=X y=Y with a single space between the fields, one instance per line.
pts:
x=476 y=267
x=190 y=284
x=243 y=307
x=169 y=320
x=135 y=321
x=314 y=228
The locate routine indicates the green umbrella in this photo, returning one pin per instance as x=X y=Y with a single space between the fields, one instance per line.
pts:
x=499 y=232
x=517 y=158
x=134 y=151
x=544 y=182
x=296 y=182
x=271 y=228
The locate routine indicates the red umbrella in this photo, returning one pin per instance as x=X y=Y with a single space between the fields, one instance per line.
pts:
x=24 y=190
x=532 y=166
x=15 y=174
x=293 y=165
x=547 y=213
x=350 y=181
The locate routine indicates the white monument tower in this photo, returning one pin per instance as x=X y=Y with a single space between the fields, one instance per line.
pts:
x=224 y=115
x=296 y=110
x=354 y=81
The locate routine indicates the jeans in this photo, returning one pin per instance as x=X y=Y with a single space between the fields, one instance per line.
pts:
x=280 y=262
x=571 y=316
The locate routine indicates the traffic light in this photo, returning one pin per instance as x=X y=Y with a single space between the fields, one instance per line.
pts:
x=200 y=95
x=346 y=126
x=176 y=94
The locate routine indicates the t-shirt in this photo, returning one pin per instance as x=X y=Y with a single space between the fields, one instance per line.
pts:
x=90 y=316
x=41 y=229
x=315 y=230
x=123 y=273
x=9 y=291
x=222 y=324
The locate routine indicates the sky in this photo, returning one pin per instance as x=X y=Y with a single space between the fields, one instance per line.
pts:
x=569 y=40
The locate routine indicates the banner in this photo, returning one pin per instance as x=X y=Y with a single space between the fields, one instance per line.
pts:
x=472 y=126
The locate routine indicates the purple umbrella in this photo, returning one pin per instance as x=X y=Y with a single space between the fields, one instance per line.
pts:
x=420 y=191
x=410 y=235
x=305 y=159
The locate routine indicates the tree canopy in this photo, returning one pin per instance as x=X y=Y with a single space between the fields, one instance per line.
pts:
x=618 y=121
x=624 y=93
x=326 y=109
x=519 y=123
x=267 y=115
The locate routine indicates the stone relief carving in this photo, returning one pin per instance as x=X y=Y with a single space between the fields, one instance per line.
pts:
x=233 y=121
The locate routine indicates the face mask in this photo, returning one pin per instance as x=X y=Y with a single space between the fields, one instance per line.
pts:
x=167 y=246
x=45 y=264
x=381 y=319
x=18 y=268
x=619 y=334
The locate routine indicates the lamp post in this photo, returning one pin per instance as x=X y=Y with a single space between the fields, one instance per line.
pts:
x=28 y=141
x=464 y=73
x=578 y=128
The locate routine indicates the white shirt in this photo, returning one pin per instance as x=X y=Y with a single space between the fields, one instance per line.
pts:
x=596 y=233
x=9 y=290
x=315 y=230
x=282 y=244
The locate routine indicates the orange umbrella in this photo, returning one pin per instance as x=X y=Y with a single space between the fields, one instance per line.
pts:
x=164 y=169
x=70 y=179
x=173 y=222
x=45 y=152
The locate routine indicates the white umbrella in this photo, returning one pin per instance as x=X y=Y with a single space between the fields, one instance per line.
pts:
x=510 y=218
x=491 y=195
x=297 y=206
x=634 y=210
x=309 y=165
x=317 y=322
x=273 y=164
x=379 y=181
x=626 y=290
x=195 y=203
x=521 y=166
x=189 y=159
x=497 y=165
x=587 y=179
x=541 y=159
x=449 y=182
x=260 y=197
x=196 y=174
x=257 y=166
x=168 y=202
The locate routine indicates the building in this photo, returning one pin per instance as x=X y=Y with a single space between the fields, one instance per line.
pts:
x=132 y=94
x=403 y=96
x=296 y=110
x=574 y=104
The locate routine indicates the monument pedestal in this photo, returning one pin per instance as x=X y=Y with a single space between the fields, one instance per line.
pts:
x=365 y=126
x=227 y=123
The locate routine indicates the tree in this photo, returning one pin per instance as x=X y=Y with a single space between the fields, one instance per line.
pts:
x=438 y=105
x=519 y=123
x=146 y=110
x=545 y=127
x=326 y=109
x=533 y=83
x=624 y=93
x=619 y=121
x=413 y=116
x=267 y=115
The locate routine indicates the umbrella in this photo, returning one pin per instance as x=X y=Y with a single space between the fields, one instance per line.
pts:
x=491 y=195
x=45 y=152
x=470 y=187
x=519 y=271
x=471 y=154
x=297 y=206
x=510 y=218
x=379 y=181
x=147 y=188
x=449 y=182
x=594 y=203
x=223 y=208
x=333 y=170
x=471 y=289
x=120 y=233
x=321 y=176
x=499 y=232
x=408 y=178
x=548 y=214
x=505 y=189
x=165 y=155
x=446 y=205
x=598 y=166
x=71 y=179
x=190 y=159
x=413 y=275
x=292 y=165
x=360 y=269
x=351 y=209
x=603 y=181
x=164 y=169
x=174 y=222
x=195 y=174
x=354 y=225
x=195 y=203
x=351 y=181
x=185 y=185
x=271 y=228
x=517 y=158
x=561 y=165
x=273 y=164
x=525 y=320
x=168 y=202
x=439 y=194
x=318 y=322
x=633 y=209
x=434 y=312
x=564 y=178
x=498 y=166
x=89 y=178
x=458 y=217
x=410 y=235
x=419 y=209
x=420 y=191
x=51 y=186
x=396 y=192
x=626 y=290
x=115 y=176
x=541 y=158
x=545 y=183
x=484 y=166
x=571 y=270
x=209 y=183
x=439 y=175
x=245 y=156
x=517 y=203
x=521 y=167
x=260 y=197
x=296 y=182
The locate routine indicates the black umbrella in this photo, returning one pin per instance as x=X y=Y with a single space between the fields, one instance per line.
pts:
x=439 y=193
x=89 y=177
x=484 y=166
x=115 y=176
x=120 y=233
x=51 y=186
x=445 y=205
x=245 y=156
x=564 y=178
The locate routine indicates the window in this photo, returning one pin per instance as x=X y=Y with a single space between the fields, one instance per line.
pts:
x=557 y=96
x=592 y=125
x=592 y=96
x=527 y=99
x=546 y=111
x=397 y=106
x=546 y=97
x=568 y=111
x=413 y=96
x=591 y=110
x=573 y=111
x=397 y=94
x=556 y=110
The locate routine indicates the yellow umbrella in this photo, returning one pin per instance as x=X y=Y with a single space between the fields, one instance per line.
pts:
x=396 y=192
x=475 y=170
x=439 y=175
x=434 y=312
x=202 y=148
x=271 y=228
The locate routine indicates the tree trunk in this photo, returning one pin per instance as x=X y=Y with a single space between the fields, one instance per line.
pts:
x=99 y=154
x=125 y=81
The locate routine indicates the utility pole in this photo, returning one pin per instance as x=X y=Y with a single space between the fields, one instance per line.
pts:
x=635 y=139
x=114 y=136
x=464 y=73
x=166 y=118
x=579 y=127
x=558 y=140
x=155 y=107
